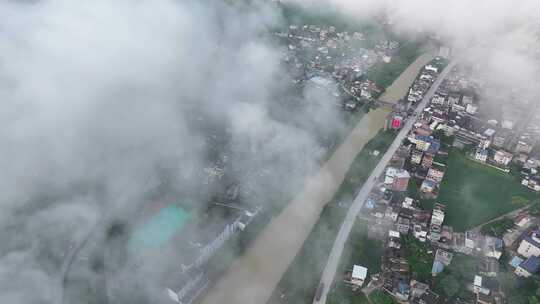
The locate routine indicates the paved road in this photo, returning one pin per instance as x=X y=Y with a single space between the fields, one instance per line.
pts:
x=346 y=227
x=69 y=258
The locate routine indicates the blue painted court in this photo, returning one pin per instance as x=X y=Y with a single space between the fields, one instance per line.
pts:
x=160 y=228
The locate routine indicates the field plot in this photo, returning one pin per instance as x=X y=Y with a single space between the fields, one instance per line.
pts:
x=474 y=193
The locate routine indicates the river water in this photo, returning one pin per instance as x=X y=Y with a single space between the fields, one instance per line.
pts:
x=253 y=276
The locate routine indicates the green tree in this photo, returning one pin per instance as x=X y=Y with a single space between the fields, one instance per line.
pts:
x=380 y=297
x=451 y=285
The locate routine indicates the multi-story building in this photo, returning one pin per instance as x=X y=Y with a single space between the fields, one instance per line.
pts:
x=502 y=158
x=530 y=245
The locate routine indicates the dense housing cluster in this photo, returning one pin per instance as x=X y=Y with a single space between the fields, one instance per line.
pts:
x=335 y=61
x=421 y=252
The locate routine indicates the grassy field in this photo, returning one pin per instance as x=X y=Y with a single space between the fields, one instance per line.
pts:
x=380 y=297
x=474 y=193
x=299 y=283
x=344 y=295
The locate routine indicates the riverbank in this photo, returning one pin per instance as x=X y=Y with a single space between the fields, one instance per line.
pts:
x=400 y=87
x=256 y=273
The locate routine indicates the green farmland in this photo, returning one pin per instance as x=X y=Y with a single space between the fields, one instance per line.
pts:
x=475 y=193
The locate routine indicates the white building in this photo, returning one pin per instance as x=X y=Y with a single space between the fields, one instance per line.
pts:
x=502 y=157
x=359 y=275
x=481 y=155
x=437 y=217
x=432 y=68
x=435 y=175
x=471 y=109
x=477 y=286
x=530 y=245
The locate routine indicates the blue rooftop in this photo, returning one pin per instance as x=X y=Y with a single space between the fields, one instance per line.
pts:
x=434 y=146
x=516 y=261
x=403 y=288
x=532 y=264
x=369 y=204
x=160 y=228
x=438 y=267
x=423 y=138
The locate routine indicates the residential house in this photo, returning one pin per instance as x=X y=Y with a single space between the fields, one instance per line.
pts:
x=464 y=137
x=401 y=180
x=394 y=243
x=528 y=267
x=484 y=299
x=484 y=143
x=437 y=218
x=407 y=203
x=471 y=238
x=532 y=183
x=437 y=215
x=359 y=275
x=424 y=142
x=502 y=158
x=483 y=285
x=435 y=175
x=515 y=261
x=453 y=99
x=432 y=68
x=493 y=247
x=500 y=139
x=391 y=214
x=471 y=109
x=428 y=186
x=489 y=133
x=429 y=297
x=477 y=285
x=400 y=289
x=522 y=220
x=438 y=99
x=523 y=147
x=458 y=244
x=416 y=156
x=420 y=232
x=427 y=161
x=403 y=225
x=488 y=267
x=467 y=100
x=437 y=268
x=530 y=245
x=481 y=155
x=443 y=256
x=418 y=288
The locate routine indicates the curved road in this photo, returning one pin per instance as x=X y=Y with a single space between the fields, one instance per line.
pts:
x=70 y=258
x=335 y=255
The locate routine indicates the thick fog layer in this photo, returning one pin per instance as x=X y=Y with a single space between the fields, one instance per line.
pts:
x=104 y=100
x=501 y=36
